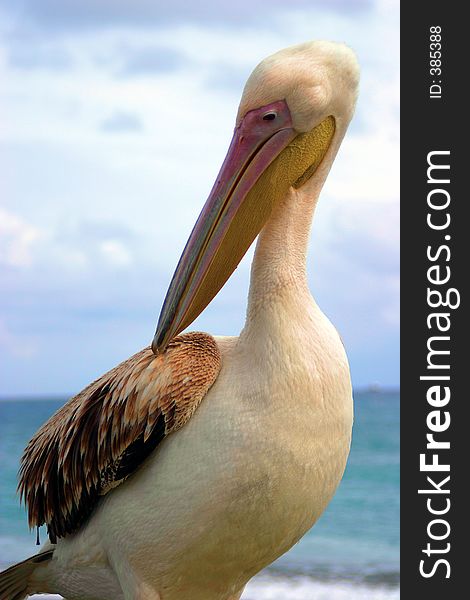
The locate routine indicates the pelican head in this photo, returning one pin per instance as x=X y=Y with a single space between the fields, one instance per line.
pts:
x=293 y=114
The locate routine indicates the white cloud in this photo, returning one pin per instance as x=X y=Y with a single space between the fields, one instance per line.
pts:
x=391 y=311
x=17 y=240
x=64 y=174
x=22 y=347
x=116 y=253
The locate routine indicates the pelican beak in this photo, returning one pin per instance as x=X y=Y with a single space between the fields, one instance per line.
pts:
x=238 y=206
x=209 y=257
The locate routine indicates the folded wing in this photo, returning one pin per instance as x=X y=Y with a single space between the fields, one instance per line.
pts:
x=102 y=435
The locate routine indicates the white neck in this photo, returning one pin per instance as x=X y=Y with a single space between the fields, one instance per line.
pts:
x=284 y=328
x=279 y=269
x=279 y=264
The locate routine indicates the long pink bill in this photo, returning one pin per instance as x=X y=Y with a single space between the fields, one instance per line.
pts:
x=258 y=139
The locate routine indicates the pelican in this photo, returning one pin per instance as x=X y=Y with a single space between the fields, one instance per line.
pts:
x=194 y=464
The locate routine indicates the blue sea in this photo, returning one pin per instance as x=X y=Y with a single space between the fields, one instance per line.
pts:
x=352 y=553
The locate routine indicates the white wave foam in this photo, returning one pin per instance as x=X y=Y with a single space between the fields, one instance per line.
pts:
x=265 y=587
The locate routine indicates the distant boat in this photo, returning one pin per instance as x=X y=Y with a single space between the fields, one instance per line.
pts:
x=374 y=388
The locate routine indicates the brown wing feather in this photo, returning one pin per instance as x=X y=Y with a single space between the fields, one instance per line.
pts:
x=100 y=436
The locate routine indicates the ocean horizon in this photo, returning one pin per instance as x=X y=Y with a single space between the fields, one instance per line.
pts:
x=352 y=552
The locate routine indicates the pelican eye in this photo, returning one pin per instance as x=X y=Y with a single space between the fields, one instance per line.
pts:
x=270 y=116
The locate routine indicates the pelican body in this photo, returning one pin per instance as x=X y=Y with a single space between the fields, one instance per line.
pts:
x=197 y=462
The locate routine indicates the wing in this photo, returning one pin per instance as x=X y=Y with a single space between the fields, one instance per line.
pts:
x=102 y=435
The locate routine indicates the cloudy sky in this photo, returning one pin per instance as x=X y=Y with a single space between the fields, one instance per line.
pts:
x=115 y=116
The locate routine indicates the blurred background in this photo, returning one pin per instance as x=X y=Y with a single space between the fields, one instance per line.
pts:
x=115 y=116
